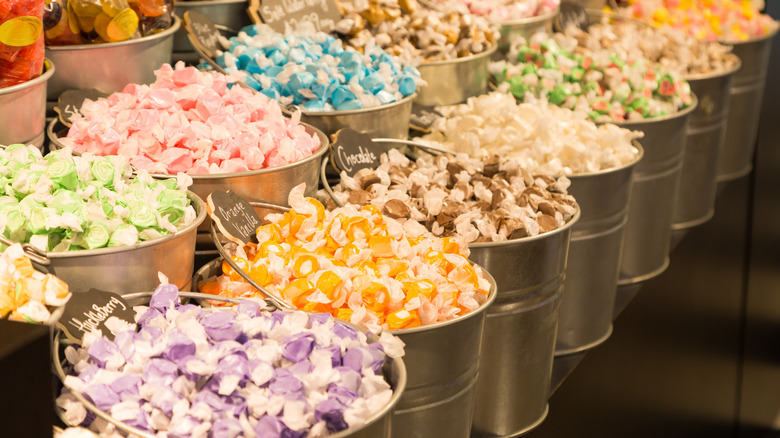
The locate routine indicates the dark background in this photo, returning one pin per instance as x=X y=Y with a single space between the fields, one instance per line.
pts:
x=697 y=351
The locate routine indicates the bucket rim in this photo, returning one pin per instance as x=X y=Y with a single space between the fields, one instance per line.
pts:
x=478 y=56
x=192 y=226
x=536 y=19
x=716 y=74
x=762 y=38
x=324 y=146
x=640 y=154
x=160 y=35
x=48 y=71
x=565 y=227
x=373 y=109
x=679 y=114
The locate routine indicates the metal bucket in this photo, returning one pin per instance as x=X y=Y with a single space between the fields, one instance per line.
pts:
x=706 y=134
x=453 y=81
x=391 y=120
x=269 y=185
x=517 y=352
x=525 y=28
x=23 y=110
x=443 y=360
x=653 y=197
x=747 y=94
x=229 y=13
x=109 y=67
x=123 y=269
x=376 y=426
x=585 y=319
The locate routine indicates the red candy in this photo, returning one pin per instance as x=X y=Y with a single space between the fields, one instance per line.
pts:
x=21 y=41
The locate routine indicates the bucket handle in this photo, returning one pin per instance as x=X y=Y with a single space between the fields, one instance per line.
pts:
x=277 y=302
x=433 y=150
x=36 y=255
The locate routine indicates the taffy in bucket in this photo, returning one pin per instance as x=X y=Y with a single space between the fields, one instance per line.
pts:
x=358 y=265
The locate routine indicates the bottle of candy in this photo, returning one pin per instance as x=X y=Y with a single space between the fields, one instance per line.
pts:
x=21 y=41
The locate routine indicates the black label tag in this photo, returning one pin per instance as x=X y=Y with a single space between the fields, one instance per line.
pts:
x=352 y=151
x=285 y=16
x=87 y=311
x=71 y=100
x=571 y=14
x=422 y=117
x=233 y=216
x=202 y=33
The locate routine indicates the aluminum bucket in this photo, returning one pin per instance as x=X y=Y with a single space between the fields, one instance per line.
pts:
x=389 y=121
x=525 y=28
x=269 y=185
x=123 y=269
x=376 y=426
x=23 y=110
x=517 y=352
x=229 y=13
x=585 y=319
x=706 y=134
x=443 y=361
x=648 y=232
x=109 y=67
x=747 y=93
x=453 y=81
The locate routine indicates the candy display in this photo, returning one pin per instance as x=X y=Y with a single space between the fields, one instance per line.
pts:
x=21 y=41
x=359 y=265
x=314 y=70
x=26 y=294
x=598 y=82
x=413 y=32
x=674 y=50
x=104 y=21
x=481 y=200
x=711 y=20
x=235 y=372
x=543 y=138
x=62 y=202
x=190 y=121
x=499 y=11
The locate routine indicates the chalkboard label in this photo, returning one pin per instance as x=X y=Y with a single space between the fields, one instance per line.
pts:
x=285 y=16
x=422 y=117
x=88 y=311
x=71 y=100
x=202 y=33
x=352 y=151
x=234 y=217
x=571 y=14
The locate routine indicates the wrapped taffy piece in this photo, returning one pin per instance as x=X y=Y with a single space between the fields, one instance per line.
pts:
x=26 y=294
x=490 y=199
x=357 y=264
x=185 y=371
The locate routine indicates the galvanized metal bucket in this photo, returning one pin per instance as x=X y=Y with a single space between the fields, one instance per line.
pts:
x=520 y=327
x=453 y=81
x=270 y=185
x=229 y=13
x=376 y=426
x=585 y=319
x=706 y=136
x=23 y=110
x=109 y=67
x=525 y=28
x=391 y=120
x=130 y=268
x=747 y=95
x=442 y=362
x=653 y=197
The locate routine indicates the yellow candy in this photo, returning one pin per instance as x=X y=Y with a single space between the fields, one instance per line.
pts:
x=328 y=283
x=305 y=265
x=403 y=319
